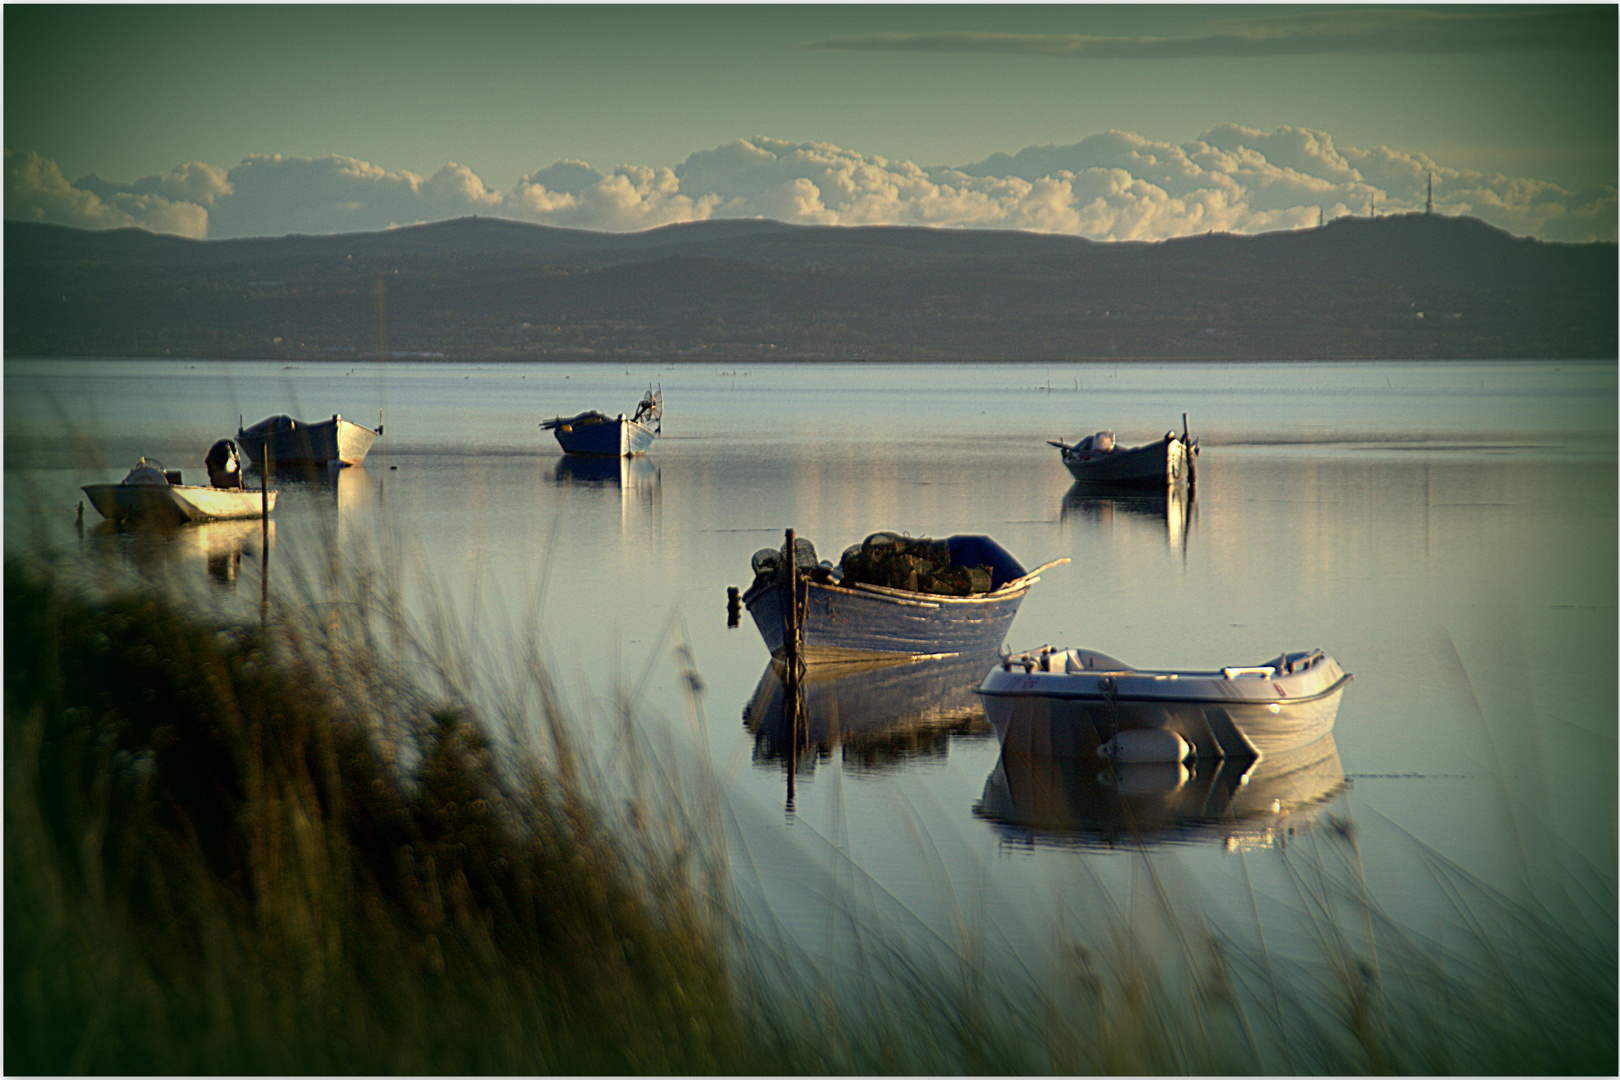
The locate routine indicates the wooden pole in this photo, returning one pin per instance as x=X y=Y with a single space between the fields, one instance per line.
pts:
x=264 y=533
x=790 y=701
x=1187 y=450
x=790 y=674
x=793 y=604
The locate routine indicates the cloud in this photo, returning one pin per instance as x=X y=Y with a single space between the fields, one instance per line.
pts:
x=36 y=190
x=1115 y=185
x=1383 y=30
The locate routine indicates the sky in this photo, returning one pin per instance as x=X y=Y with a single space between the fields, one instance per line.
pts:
x=1123 y=122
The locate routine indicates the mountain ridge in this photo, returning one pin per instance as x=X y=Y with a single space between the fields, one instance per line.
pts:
x=1408 y=286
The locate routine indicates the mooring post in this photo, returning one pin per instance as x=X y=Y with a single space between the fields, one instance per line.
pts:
x=790 y=702
x=264 y=534
x=1187 y=451
x=790 y=672
x=793 y=605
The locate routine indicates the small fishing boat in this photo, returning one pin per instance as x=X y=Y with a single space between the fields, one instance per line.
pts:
x=1036 y=799
x=1082 y=704
x=152 y=494
x=1098 y=459
x=929 y=598
x=330 y=443
x=599 y=435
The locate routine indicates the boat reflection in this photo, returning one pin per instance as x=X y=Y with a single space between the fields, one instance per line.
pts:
x=1036 y=799
x=634 y=478
x=880 y=714
x=623 y=472
x=347 y=488
x=1100 y=504
x=160 y=551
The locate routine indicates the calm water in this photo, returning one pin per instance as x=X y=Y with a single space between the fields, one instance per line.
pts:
x=1446 y=531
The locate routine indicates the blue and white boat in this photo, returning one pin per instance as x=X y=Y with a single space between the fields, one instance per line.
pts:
x=331 y=443
x=596 y=434
x=839 y=618
x=1098 y=459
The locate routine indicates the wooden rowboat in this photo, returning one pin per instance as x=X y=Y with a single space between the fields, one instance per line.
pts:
x=1096 y=459
x=596 y=434
x=825 y=618
x=328 y=443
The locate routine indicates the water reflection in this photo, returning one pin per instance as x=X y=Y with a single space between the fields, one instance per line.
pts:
x=348 y=488
x=882 y=714
x=1099 y=503
x=162 y=552
x=623 y=472
x=1038 y=799
x=636 y=479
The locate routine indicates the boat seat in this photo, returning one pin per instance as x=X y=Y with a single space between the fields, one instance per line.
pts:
x=1084 y=660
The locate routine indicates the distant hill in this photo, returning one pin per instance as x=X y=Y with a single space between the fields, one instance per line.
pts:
x=1412 y=286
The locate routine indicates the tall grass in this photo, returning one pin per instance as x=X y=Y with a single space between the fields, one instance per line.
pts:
x=214 y=864
x=296 y=847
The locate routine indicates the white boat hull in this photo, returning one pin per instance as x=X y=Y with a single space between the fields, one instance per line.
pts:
x=176 y=503
x=333 y=442
x=1077 y=703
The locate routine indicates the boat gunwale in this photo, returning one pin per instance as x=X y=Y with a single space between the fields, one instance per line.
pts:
x=906 y=598
x=1063 y=695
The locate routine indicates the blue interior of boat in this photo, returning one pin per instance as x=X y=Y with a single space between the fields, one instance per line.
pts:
x=972 y=550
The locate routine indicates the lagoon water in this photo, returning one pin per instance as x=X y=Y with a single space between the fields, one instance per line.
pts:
x=1446 y=531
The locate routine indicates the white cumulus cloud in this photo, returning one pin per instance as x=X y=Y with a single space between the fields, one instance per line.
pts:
x=1114 y=185
x=36 y=190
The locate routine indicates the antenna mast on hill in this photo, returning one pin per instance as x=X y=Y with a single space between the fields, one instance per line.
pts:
x=1428 y=207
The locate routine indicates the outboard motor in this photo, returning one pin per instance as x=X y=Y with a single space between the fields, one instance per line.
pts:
x=224 y=465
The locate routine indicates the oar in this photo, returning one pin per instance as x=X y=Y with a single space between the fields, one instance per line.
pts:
x=1034 y=572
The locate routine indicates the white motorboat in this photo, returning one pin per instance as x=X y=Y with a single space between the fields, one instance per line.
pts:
x=151 y=493
x=1083 y=704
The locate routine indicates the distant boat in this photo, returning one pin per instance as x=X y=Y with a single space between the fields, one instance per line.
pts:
x=843 y=618
x=599 y=435
x=1098 y=459
x=152 y=494
x=1033 y=798
x=333 y=442
x=1081 y=704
